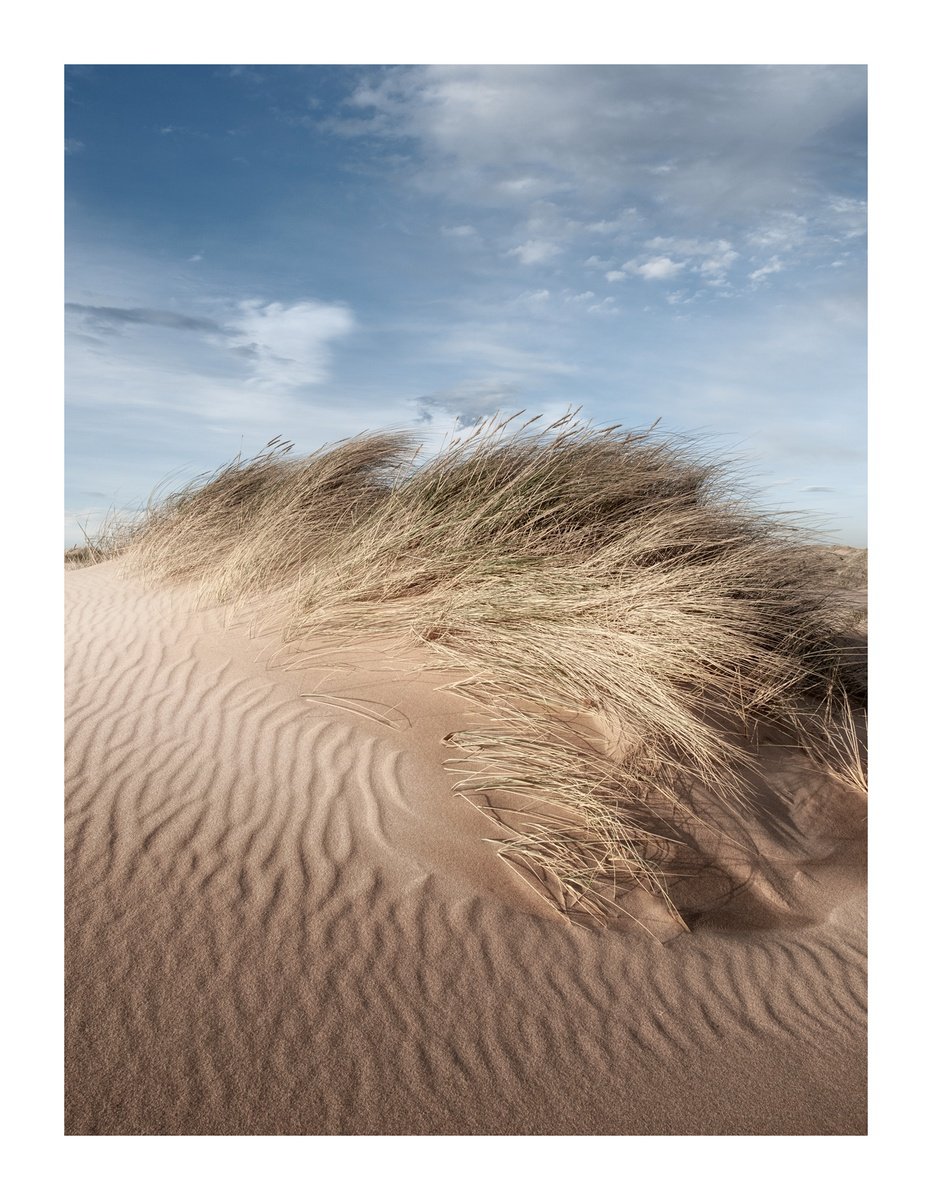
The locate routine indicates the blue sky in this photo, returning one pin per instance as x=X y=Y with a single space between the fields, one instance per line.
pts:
x=312 y=251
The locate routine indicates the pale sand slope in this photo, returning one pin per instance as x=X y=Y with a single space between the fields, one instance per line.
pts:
x=279 y=920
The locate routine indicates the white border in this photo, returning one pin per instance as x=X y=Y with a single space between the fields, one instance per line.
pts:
x=39 y=43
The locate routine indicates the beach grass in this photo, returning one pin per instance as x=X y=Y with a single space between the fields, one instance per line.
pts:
x=620 y=621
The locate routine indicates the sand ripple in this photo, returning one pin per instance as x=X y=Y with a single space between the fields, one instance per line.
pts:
x=279 y=921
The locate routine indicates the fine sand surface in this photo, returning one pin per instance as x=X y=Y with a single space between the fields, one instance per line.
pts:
x=281 y=921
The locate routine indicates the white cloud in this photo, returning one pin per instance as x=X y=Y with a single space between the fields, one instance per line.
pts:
x=535 y=251
x=718 y=264
x=710 y=257
x=614 y=276
x=541 y=296
x=848 y=216
x=524 y=187
x=661 y=267
x=724 y=160
x=771 y=268
x=289 y=345
x=689 y=246
x=458 y=231
x=785 y=231
x=207 y=364
x=618 y=225
x=719 y=140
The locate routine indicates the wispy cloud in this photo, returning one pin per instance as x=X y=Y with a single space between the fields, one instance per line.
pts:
x=105 y=318
x=289 y=345
x=771 y=268
x=249 y=74
x=285 y=346
x=722 y=140
x=182 y=131
x=721 y=163
x=468 y=403
x=660 y=267
x=534 y=251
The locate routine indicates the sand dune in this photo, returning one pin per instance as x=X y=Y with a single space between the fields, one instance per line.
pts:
x=280 y=921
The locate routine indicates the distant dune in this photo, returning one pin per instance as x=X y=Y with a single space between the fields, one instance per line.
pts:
x=283 y=916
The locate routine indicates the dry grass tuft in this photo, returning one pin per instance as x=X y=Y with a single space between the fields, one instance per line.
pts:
x=81 y=556
x=112 y=537
x=619 y=622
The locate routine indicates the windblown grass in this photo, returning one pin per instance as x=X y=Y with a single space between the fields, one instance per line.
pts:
x=618 y=622
x=112 y=536
x=81 y=556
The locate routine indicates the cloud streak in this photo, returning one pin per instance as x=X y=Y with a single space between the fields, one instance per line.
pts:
x=285 y=346
x=468 y=403
x=106 y=319
x=718 y=139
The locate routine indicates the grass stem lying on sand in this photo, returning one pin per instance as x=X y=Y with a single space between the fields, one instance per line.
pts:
x=617 y=618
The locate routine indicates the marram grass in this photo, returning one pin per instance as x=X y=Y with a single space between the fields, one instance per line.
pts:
x=618 y=621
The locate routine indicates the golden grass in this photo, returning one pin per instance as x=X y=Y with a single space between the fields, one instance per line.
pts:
x=82 y=556
x=618 y=622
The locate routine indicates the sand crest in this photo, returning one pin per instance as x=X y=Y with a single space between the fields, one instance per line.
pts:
x=280 y=921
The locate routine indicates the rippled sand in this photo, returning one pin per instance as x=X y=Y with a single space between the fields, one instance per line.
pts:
x=280 y=921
